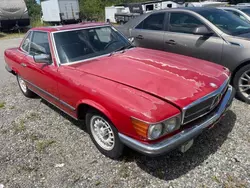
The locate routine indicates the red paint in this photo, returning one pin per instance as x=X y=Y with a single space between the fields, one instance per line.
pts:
x=147 y=84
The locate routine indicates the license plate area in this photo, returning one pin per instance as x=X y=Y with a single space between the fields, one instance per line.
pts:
x=186 y=146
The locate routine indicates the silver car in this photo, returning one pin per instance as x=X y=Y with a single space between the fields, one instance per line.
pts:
x=207 y=33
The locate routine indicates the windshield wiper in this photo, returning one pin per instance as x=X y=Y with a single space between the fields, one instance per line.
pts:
x=122 y=48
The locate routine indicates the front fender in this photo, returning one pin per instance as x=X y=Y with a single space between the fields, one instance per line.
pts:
x=95 y=105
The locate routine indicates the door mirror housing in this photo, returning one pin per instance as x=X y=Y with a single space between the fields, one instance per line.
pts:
x=42 y=58
x=202 y=30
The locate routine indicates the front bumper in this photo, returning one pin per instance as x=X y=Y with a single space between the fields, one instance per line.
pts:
x=183 y=136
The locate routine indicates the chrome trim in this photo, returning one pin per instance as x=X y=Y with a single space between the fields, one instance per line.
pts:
x=183 y=136
x=54 y=105
x=214 y=93
x=80 y=61
x=50 y=95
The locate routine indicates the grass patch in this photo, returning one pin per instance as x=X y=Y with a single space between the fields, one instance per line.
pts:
x=37 y=23
x=19 y=127
x=215 y=178
x=43 y=144
x=2 y=104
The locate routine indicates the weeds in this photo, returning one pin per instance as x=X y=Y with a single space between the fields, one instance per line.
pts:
x=19 y=127
x=43 y=144
x=2 y=104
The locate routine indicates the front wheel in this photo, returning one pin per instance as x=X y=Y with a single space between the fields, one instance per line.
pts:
x=104 y=135
x=241 y=83
x=25 y=90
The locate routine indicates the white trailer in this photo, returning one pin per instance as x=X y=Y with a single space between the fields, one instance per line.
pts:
x=60 y=11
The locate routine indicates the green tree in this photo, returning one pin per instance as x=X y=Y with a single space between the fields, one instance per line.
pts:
x=34 y=9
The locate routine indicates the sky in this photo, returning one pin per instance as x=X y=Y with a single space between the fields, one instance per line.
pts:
x=38 y=1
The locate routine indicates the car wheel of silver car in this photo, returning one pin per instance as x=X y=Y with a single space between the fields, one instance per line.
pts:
x=104 y=135
x=23 y=86
x=242 y=83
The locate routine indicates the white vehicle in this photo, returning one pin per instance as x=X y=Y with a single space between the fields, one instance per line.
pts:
x=13 y=14
x=60 y=11
x=123 y=12
x=205 y=4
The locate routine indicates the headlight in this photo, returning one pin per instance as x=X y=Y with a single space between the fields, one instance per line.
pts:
x=155 y=131
x=160 y=129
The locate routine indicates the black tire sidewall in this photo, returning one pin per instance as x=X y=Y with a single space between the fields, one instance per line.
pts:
x=116 y=152
x=236 y=83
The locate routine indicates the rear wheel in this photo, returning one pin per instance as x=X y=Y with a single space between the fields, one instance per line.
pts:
x=23 y=86
x=104 y=135
x=241 y=83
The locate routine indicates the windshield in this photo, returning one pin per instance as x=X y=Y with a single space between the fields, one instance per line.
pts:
x=247 y=11
x=227 y=22
x=87 y=43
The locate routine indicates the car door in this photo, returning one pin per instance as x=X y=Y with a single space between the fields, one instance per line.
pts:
x=179 y=38
x=150 y=32
x=41 y=77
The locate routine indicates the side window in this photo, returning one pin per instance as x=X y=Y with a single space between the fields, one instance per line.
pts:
x=39 y=43
x=26 y=43
x=153 y=22
x=183 y=23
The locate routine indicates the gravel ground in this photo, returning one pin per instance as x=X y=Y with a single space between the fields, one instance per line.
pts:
x=43 y=147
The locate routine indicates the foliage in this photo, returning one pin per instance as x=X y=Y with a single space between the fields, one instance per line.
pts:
x=34 y=9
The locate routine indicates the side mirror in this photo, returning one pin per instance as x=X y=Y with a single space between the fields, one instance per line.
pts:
x=42 y=58
x=202 y=30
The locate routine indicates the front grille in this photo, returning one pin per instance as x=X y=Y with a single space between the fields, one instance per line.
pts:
x=200 y=109
x=205 y=106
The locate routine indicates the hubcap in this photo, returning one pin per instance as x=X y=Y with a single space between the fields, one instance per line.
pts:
x=102 y=133
x=244 y=84
x=22 y=84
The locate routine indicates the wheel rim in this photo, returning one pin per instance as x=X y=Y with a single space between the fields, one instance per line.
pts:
x=102 y=133
x=244 y=84
x=22 y=84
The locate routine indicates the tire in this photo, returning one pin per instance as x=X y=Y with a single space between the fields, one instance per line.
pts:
x=241 y=78
x=113 y=149
x=23 y=87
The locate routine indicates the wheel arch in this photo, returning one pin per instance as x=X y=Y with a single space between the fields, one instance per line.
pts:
x=84 y=106
x=242 y=64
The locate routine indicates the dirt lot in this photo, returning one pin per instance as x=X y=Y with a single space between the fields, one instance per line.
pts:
x=42 y=147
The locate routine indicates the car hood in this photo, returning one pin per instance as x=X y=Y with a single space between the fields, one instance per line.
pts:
x=177 y=79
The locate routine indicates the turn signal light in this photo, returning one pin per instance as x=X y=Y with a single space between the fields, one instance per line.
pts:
x=140 y=127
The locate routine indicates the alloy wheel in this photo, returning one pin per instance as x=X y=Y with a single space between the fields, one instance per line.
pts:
x=244 y=84
x=102 y=133
x=22 y=84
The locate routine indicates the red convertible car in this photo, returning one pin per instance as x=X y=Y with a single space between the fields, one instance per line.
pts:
x=148 y=100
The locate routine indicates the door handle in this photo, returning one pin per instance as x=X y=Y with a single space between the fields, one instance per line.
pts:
x=140 y=37
x=23 y=64
x=171 y=42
